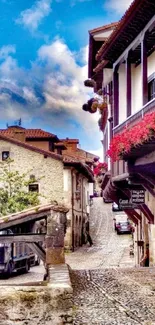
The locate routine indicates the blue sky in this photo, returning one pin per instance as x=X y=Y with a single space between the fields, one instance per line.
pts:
x=43 y=63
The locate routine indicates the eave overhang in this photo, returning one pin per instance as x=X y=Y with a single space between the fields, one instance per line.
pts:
x=121 y=187
x=82 y=168
x=129 y=27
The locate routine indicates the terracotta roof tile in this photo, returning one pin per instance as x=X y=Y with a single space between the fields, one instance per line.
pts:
x=79 y=164
x=34 y=212
x=30 y=147
x=68 y=158
x=29 y=133
x=119 y=26
x=87 y=152
x=70 y=140
x=60 y=145
x=100 y=66
x=103 y=28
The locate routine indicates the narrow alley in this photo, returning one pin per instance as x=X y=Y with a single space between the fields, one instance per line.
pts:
x=108 y=288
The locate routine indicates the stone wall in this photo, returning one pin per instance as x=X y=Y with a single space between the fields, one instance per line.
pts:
x=35 y=305
x=47 y=302
x=50 y=169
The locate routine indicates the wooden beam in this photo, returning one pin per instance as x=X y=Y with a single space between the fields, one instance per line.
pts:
x=148 y=178
x=131 y=216
x=37 y=249
x=14 y=222
x=135 y=42
x=142 y=179
x=121 y=177
x=146 y=211
x=149 y=188
x=137 y=215
x=27 y=238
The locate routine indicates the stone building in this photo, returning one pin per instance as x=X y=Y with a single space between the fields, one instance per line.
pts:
x=35 y=137
x=126 y=62
x=65 y=177
x=71 y=148
x=43 y=165
x=77 y=179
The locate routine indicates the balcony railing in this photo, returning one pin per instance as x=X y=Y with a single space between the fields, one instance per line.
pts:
x=133 y=119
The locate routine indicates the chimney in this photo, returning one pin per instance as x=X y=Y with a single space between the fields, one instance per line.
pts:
x=18 y=133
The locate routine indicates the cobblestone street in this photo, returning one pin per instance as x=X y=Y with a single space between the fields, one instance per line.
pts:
x=108 y=289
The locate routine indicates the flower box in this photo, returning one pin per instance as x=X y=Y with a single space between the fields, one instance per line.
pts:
x=131 y=138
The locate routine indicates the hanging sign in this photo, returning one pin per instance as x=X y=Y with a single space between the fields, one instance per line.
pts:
x=138 y=196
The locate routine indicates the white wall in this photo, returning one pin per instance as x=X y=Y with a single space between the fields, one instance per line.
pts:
x=136 y=88
x=107 y=76
x=136 y=81
x=151 y=64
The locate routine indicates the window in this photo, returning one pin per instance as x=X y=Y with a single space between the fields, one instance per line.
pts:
x=59 y=151
x=33 y=188
x=5 y=155
x=151 y=87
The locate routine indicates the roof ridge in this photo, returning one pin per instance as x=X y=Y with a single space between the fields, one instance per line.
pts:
x=123 y=19
x=30 y=147
x=104 y=27
x=31 y=131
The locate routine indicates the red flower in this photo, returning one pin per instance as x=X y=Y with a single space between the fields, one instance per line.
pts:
x=131 y=137
x=99 y=168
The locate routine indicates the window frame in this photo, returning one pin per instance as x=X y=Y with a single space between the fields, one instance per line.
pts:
x=151 y=82
x=33 y=184
x=4 y=152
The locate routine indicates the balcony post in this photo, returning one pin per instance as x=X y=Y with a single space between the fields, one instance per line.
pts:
x=144 y=70
x=128 y=86
x=116 y=96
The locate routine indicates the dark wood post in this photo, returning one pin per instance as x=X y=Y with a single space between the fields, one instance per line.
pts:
x=128 y=86
x=116 y=96
x=144 y=70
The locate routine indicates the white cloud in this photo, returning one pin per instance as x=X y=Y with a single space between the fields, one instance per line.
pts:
x=118 y=6
x=82 y=55
x=98 y=152
x=31 y=18
x=63 y=88
x=6 y=50
x=52 y=91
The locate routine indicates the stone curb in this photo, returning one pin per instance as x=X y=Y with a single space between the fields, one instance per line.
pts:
x=59 y=277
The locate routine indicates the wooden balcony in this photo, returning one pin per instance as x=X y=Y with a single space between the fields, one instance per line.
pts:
x=135 y=118
x=120 y=166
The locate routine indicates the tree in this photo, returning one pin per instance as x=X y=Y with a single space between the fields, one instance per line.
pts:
x=14 y=193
